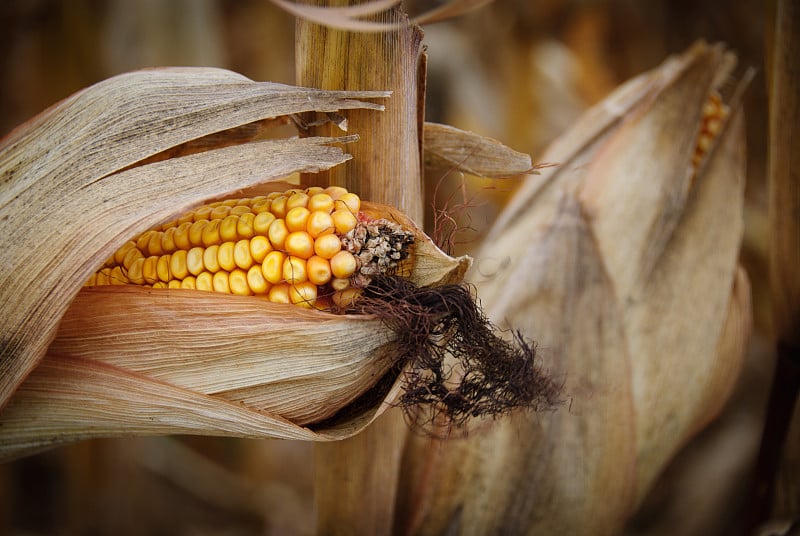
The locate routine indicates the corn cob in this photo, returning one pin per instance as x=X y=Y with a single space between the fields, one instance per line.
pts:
x=311 y=247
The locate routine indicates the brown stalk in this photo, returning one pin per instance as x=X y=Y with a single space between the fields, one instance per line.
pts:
x=385 y=168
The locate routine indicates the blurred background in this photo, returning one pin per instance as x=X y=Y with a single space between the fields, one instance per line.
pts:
x=520 y=71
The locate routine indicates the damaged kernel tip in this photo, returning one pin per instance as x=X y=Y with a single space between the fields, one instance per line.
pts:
x=309 y=247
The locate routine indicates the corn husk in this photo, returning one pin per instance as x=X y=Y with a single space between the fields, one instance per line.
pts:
x=621 y=262
x=74 y=193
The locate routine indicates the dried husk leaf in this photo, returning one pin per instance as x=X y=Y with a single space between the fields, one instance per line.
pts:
x=70 y=207
x=521 y=474
x=671 y=306
x=292 y=365
x=451 y=148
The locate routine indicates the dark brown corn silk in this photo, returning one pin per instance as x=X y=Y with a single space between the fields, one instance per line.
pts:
x=459 y=368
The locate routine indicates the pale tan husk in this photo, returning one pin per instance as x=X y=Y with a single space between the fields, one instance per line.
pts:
x=73 y=193
x=622 y=263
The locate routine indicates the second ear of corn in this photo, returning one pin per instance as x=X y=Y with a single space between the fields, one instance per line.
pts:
x=288 y=247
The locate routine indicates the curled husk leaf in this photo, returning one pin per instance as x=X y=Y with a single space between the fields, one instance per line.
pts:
x=622 y=262
x=113 y=161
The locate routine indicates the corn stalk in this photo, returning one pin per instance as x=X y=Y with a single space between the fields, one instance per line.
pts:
x=387 y=167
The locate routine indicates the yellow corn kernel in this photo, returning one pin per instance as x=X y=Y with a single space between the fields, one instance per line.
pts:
x=130 y=256
x=143 y=240
x=244 y=227
x=220 y=282
x=181 y=236
x=348 y=201
x=205 y=281
x=238 y=210
x=160 y=284
x=116 y=276
x=256 y=281
x=211 y=259
x=279 y=293
x=174 y=283
x=149 y=270
x=335 y=192
x=259 y=247
x=278 y=206
x=319 y=270
x=297 y=199
x=314 y=190
x=154 y=244
x=297 y=218
x=343 y=265
x=92 y=281
x=320 y=222
x=262 y=205
x=196 y=232
x=272 y=267
x=162 y=268
x=168 y=240
x=344 y=221
x=225 y=256
x=186 y=218
x=202 y=213
x=219 y=213
x=194 y=260
x=104 y=276
x=136 y=271
x=241 y=254
x=299 y=244
x=294 y=270
x=277 y=233
x=119 y=255
x=237 y=281
x=304 y=294
x=320 y=202
x=327 y=245
x=262 y=222
x=189 y=282
x=227 y=228
x=210 y=234
x=177 y=264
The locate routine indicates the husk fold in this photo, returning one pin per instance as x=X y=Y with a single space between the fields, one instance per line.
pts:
x=73 y=192
x=622 y=263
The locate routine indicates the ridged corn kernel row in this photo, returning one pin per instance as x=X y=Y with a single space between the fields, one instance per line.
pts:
x=285 y=247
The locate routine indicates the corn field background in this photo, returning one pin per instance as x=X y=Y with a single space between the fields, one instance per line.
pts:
x=515 y=70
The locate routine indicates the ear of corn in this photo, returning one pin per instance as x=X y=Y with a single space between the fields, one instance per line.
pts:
x=310 y=247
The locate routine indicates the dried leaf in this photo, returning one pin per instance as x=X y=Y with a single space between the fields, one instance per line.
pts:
x=70 y=205
x=666 y=237
x=450 y=148
x=578 y=460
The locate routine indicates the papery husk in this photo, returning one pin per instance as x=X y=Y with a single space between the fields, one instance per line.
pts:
x=75 y=191
x=70 y=206
x=565 y=461
x=645 y=364
x=159 y=351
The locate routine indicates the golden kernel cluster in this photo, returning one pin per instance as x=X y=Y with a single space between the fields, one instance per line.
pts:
x=284 y=246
